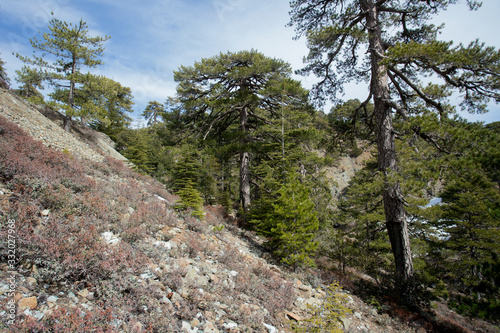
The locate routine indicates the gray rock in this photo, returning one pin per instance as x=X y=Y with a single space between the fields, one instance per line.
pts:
x=195 y=322
x=347 y=323
x=305 y=288
x=209 y=327
x=186 y=327
x=271 y=328
x=38 y=315
x=230 y=326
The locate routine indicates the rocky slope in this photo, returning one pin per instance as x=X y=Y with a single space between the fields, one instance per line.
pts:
x=99 y=248
x=47 y=129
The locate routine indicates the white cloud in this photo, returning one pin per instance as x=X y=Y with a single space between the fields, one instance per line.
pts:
x=150 y=39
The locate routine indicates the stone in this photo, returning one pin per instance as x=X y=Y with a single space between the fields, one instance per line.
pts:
x=147 y=275
x=18 y=296
x=52 y=300
x=87 y=307
x=83 y=293
x=249 y=309
x=305 y=288
x=213 y=278
x=159 y=198
x=165 y=245
x=346 y=322
x=271 y=328
x=294 y=316
x=110 y=238
x=165 y=300
x=31 y=280
x=195 y=322
x=27 y=303
x=194 y=278
x=45 y=212
x=230 y=326
x=137 y=327
x=209 y=327
x=176 y=298
x=203 y=305
x=38 y=315
x=186 y=327
x=90 y=296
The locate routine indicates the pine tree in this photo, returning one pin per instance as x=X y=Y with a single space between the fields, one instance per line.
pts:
x=105 y=103
x=31 y=80
x=465 y=253
x=4 y=79
x=401 y=48
x=64 y=50
x=186 y=169
x=153 y=112
x=136 y=146
x=294 y=223
x=230 y=97
x=190 y=199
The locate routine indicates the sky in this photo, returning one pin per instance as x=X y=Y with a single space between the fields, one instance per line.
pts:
x=150 y=38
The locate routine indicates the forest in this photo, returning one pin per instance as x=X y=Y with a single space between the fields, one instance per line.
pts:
x=422 y=217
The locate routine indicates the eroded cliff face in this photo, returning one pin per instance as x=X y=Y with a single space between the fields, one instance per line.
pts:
x=345 y=168
x=45 y=125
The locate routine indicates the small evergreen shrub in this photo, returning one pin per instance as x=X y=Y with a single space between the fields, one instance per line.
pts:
x=295 y=223
x=190 y=199
x=327 y=316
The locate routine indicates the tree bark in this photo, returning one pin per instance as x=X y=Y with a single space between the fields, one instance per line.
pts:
x=67 y=123
x=71 y=96
x=244 y=162
x=395 y=215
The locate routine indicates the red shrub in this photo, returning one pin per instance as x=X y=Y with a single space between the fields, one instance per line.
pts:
x=69 y=320
x=72 y=250
x=20 y=155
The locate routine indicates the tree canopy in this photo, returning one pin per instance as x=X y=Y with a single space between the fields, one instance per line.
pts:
x=392 y=45
x=4 y=79
x=234 y=95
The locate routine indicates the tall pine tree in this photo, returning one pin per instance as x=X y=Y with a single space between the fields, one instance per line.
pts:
x=234 y=94
x=63 y=52
x=401 y=47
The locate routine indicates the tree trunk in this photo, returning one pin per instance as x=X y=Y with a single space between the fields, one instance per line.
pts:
x=67 y=123
x=71 y=96
x=395 y=215
x=244 y=162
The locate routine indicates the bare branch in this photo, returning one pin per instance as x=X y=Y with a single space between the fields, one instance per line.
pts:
x=417 y=90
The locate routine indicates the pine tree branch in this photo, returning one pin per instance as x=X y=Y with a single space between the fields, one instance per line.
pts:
x=417 y=90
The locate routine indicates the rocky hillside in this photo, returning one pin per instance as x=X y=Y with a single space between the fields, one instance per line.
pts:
x=45 y=125
x=91 y=246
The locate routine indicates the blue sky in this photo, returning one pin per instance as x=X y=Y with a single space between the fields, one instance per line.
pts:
x=150 y=39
